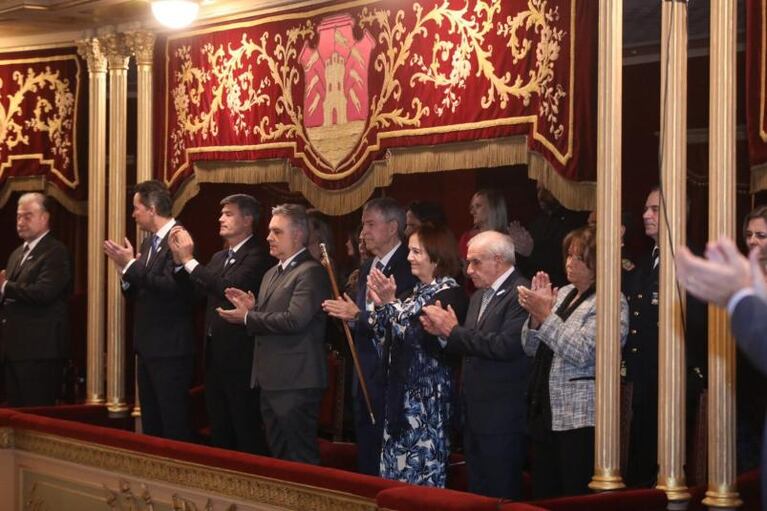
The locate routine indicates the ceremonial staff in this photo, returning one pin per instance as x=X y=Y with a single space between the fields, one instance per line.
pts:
x=349 y=340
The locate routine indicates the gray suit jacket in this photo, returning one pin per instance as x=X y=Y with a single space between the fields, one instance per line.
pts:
x=289 y=326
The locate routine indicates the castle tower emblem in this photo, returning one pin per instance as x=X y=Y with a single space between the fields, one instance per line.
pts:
x=336 y=104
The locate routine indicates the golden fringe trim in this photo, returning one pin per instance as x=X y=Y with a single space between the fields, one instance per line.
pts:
x=41 y=184
x=424 y=159
x=759 y=178
x=575 y=195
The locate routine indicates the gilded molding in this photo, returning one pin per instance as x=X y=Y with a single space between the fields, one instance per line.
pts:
x=93 y=53
x=116 y=50
x=6 y=438
x=228 y=483
x=142 y=45
x=124 y=499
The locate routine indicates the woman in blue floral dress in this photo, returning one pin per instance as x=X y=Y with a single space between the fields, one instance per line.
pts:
x=419 y=385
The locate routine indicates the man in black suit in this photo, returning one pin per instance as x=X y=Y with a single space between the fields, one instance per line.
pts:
x=34 y=312
x=233 y=407
x=727 y=279
x=289 y=361
x=495 y=369
x=383 y=226
x=163 y=298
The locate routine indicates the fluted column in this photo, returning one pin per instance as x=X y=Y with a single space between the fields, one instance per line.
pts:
x=92 y=52
x=142 y=45
x=117 y=57
x=609 y=114
x=722 y=492
x=673 y=140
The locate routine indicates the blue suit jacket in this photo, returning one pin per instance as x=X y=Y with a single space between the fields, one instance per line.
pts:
x=370 y=362
x=749 y=326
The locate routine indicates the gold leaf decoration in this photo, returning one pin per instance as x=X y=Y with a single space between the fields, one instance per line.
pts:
x=55 y=119
x=459 y=53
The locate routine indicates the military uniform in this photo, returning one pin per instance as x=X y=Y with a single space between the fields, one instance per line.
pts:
x=640 y=367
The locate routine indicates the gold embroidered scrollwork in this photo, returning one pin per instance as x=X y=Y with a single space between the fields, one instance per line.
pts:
x=462 y=50
x=54 y=118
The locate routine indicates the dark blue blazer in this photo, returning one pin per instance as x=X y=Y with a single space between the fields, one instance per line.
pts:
x=749 y=326
x=370 y=363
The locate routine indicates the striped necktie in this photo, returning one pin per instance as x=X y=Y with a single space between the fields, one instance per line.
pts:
x=486 y=297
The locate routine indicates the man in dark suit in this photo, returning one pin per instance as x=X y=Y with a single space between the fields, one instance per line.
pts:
x=289 y=361
x=727 y=279
x=495 y=369
x=383 y=225
x=233 y=407
x=163 y=298
x=34 y=312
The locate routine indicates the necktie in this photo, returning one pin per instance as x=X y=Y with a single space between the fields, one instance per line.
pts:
x=486 y=297
x=155 y=242
x=229 y=258
x=380 y=266
x=655 y=256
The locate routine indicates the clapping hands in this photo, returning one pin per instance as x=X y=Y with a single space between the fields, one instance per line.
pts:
x=539 y=299
x=242 y=301
x=381 y=289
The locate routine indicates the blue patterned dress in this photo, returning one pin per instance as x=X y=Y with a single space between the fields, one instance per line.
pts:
x=418 y=391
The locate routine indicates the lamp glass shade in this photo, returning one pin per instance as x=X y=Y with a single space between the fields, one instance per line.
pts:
x=175 y=13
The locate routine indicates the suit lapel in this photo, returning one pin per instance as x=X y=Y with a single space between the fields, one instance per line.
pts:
x=14 y=262
x=276 y=280
x=31 y=257
x=471 y=314
x=238 y=257
x=506 y=290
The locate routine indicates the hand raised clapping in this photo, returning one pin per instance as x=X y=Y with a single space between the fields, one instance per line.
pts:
x=181 y=245
x=539 y=299
x=381 y=289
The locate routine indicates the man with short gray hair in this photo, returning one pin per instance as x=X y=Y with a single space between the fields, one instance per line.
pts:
x=289 y=362
x=383 y=227
x=34 y=311
x=233 y=406
x=495 y=369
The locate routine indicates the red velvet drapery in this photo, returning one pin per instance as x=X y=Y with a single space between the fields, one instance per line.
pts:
x=41 y=104
x=323 y=95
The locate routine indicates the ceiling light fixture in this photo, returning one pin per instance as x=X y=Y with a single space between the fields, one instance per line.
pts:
x=175 y=13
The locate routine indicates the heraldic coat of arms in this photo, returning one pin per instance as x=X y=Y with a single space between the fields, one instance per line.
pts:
x=336 y=103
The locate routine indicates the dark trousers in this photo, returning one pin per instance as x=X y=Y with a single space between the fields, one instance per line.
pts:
x=642 y=467
x=163 y=386
x=290 y=418
x=368 y=436
x=563 y=462
x=33 y=382
x=235 y=413
x=494 y=463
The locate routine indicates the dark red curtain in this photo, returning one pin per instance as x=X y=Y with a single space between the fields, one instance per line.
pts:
x=42 y=105
x=332 y=89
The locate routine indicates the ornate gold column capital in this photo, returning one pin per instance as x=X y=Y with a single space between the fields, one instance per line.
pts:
x=141 y=43
x=116 y=50
x=93 y=53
